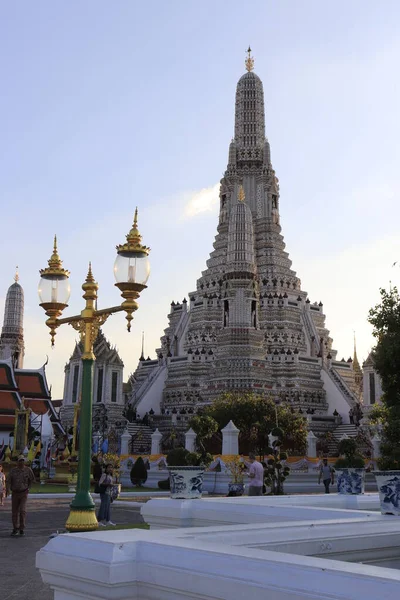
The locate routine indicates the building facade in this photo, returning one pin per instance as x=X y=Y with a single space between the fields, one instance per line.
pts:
x=248 y=326
x=108 y=392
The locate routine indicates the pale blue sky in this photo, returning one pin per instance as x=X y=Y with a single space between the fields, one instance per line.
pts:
x=105 y=106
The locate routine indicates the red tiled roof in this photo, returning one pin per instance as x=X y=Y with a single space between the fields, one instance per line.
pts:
x=31 y=384
x=9 y=401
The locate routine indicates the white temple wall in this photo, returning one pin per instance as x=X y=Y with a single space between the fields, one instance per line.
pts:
x=153 y=396
x=335 y=399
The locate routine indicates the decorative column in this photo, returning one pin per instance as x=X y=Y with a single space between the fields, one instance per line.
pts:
x=190 y=440
x=125 y=439
x=376 y=446
x=311 y=445
x=156 y=438
x=230 y=439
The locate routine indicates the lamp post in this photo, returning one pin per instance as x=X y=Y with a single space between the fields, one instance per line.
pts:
x=131 y=270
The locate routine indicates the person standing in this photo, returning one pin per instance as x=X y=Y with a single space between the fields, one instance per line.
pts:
x=256 y=475
x=19 y=481
x=326 y=473
x=105 y=485
x=2 y=486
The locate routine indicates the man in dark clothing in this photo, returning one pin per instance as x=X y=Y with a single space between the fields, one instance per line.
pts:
x=19 y=481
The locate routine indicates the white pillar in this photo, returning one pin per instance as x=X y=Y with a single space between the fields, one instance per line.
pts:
x=230 y=439
x=376 y=446
x=125 y=439
x=311 y=445
x=190 y=439
x=156 y=438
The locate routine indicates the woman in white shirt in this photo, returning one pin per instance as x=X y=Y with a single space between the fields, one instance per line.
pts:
x=105 y=484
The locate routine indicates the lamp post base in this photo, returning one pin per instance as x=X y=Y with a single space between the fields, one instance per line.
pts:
x=82 y=520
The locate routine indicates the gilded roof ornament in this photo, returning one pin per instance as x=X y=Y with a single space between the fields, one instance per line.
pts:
x=16 y=276
x=241 y=194
x=133 y=240
x=55 y=264
x=249 y=62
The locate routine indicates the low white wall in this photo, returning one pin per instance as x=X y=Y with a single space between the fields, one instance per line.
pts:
x=220 y=563
x=164 y=513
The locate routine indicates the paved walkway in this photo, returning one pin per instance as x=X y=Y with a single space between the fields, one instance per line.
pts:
x=19 y=578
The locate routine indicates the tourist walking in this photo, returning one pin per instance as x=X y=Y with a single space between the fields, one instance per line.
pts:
x=326 y=473
x=2 y=486
x=18 y=482
x=105 y=485
x=256 y=475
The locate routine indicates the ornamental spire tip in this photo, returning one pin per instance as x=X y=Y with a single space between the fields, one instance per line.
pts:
x=249 y=62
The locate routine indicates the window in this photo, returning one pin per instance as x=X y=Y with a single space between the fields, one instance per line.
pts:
x=75 y=383
x=372 y=388
x=100 y=385
x=114 y=384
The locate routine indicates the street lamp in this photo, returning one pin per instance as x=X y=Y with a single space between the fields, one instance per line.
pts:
x=131 y=271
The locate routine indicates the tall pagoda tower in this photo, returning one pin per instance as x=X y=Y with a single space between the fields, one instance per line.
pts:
x=248 y=326
x=12 y=334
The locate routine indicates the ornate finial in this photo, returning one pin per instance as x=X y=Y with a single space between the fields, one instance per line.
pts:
x=249 y=62
x=16 y=276
x=241 y=194
x=133 y=239
x=55 y=264
x=89 y=276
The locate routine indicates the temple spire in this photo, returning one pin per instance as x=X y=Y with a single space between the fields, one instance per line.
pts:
x=356 y=364
x=16 y=276
x=142 y=355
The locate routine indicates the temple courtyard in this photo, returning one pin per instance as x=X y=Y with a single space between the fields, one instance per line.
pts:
x=19 y=577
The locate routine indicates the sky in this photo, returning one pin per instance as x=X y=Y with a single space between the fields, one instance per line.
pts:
x=106 y=106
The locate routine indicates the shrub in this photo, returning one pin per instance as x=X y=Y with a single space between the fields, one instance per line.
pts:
x=164 y=484
x=352 y=459
x=138 y=472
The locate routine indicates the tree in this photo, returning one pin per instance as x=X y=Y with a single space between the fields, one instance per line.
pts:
x=255 y=416
x=204 y=427
x=385 y=319
x=138 y=472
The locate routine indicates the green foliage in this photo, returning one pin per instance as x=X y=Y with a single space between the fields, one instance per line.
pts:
x=385 y=319
x=352 y=458
x=204 y=427
x=177 y=457
x=256 y=417
x=138 y=472
x=180 y=457
x=357 y=462
x=164 y=484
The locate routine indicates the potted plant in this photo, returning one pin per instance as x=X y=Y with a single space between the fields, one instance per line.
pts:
x=385 y=319
x=185 y=473
x=350 y=468
x=236 y=470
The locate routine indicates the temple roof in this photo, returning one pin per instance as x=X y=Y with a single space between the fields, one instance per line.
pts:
x=102 y=349
x=24 y=387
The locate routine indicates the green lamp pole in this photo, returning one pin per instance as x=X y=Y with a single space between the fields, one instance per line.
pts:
x=131 y=270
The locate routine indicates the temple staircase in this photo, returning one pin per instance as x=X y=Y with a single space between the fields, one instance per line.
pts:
x=140 y=438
